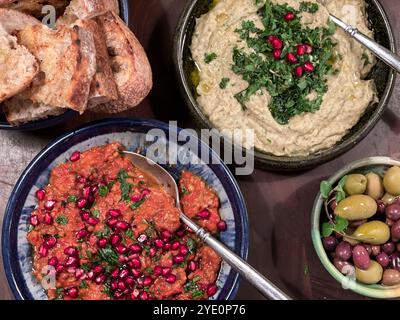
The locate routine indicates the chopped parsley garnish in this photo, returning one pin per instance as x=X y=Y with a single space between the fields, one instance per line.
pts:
x=85 y=267
x=208 y=57
x=149 y=270
x=192 y=286
x=365 y=58
x=108 y=255
x=72 y=198
x=129 y=233
x=126 y=187
x=224 y=82
x=191 y=244
x=309 y=7
x=291 y=95
x=137 y=204
x=62 y=220
x=96 y=213
x=141 y=183
x=184 y=190
x=83 y=285
x=103 y=191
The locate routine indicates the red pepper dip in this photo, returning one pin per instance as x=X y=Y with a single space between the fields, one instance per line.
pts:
x=106 y=230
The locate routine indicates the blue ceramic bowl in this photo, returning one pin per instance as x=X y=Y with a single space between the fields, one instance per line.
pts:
x=53 y=121
x=17 y=253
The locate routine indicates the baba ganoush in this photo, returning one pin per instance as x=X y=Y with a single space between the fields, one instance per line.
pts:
x=106 y=230
x=282 y=69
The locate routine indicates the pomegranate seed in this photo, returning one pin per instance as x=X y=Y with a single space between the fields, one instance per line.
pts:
x=221 y=225
x=93 y=221
x=157 y=270
x=121 y=249
x=85 y=216
x=114 y=213
x=50 y=242
x=71 y=251
x=204 y=214
x=136 y=273
x=166 y=235
x=115 y=239
x=289 y=16
x=79 y=273
x=124 y=273
x=142 y=238
x=309 y=49
x=129 y=281
x=145 y=192
x=291 y=58
x=152 y=252
x=90 y=275
x=49 y=205
x=212 y=290
x=122 y=259
x=192 y=266
x=114 y=285
x=71 y=262
x=136 y=263
x=301 y=49
x=86 y=192
x=53 y=261
x=40 y=194
x=81 y=234
x=135 y=294
x=73 y=292
x=59 y=268
x=75 y=156
x=277 y=43
x=171 y=278
x=98 y=269
x=136 y=197
x=121 y=285
x=34 y=221
x=48 y=219
x=115 y=273
x=166 y=271
x=159 y=243
x=144 y=296
x=43 y=251
x=100 y=279
x=167 y=247
x=178 y=259
x=175 y=245
x=183 y=250
x=308 y=67
x=147 y=281
x=81 y=203
x=271 y=38
x=122 y=225
x=80 y=179
x=102 y=243
x=180 y=233
x=298 y=71
x=135 y=248
x=118 y=294
x=112 y=222
x=277 y=54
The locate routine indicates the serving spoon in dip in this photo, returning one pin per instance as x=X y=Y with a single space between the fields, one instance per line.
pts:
x=387 y=56
x=159 y=174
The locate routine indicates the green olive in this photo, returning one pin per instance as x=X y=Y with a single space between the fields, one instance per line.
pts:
x=373 y=232
x=391 y=277
x=391 y=181
x=374 y=186
x=388 y=198
x=355 y=184
x=356 y=207
x=370 y=276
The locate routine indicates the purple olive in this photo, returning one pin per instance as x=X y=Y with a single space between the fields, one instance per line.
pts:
x=368 y=248
x=340 y=264
x=393 y=211
x=383 y=259
x=381 y=207
x=389 y=222
x=375 y=250
x=395 y=261
x=343 y=251
x=395 y=230
x=329 y=243
x=361 y=257
x=388 y=248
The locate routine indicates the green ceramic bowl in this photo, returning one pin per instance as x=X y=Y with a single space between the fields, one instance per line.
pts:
x=375 y=164
x=383 y=76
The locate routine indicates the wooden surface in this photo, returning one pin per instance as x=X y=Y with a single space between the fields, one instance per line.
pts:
x=279 y=205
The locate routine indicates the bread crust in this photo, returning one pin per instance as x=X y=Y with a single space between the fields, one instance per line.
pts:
x=13 y=20
x=34 y=7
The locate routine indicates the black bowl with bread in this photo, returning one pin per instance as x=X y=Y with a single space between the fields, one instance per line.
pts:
x=88 y=60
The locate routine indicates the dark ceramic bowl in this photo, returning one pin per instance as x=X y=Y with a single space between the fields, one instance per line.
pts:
x=383 y=76
x=17 y=253
x=68 y=114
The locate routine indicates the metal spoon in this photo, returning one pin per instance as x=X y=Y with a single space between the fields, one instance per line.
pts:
x=387 y=56
x=266 y=287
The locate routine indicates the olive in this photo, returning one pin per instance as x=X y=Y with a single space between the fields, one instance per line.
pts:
x=361 y=257
x=374 y=186
x=391 y=277
x=329 y=243
x=375 y=250
x=343 y=251
x=368 y=247
x=388 y=198
x=357 y=223
x=388 y=247
x=395 y=261
x=381 y=207
x=371 y=275
x=340 y=264
x=356 y=207
x=389 y=222
x=395 y=230
x=391 y=181
x=352 y=241
x=355 y=184
x=373 y=232
x=383 y=259
x=393 y=211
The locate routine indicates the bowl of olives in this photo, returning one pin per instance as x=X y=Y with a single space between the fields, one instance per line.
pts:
x=356 y=227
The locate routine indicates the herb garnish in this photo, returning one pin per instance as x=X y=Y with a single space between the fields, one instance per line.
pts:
x=103 y=191
x=125 y=186
x=309 y=7
x=137 y=204
x=339 y=226
x=62 y=220
x=72 y=198
x=224 y=82
x=83 y=285
x=365 y=58
x=208 y=57
x=108 y=255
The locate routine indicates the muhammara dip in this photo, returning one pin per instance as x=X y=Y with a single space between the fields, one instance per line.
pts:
x=221 y=34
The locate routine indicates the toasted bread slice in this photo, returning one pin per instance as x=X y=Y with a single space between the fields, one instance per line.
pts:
x=20 y=111
x=132 y=71
x=103 y=88
x=18 y=66
x=67 y=66
x=13 y=20
x=34 y=7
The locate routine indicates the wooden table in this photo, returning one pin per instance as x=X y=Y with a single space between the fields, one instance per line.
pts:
x=279 y=205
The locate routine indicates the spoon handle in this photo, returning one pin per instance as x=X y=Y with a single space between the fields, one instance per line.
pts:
x=387 y=56
x=266 y=287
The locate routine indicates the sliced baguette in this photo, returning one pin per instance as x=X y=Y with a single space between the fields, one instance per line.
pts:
x=18 y=66
x=67 y=65
x=13 y=20
x=132 y=71
x=103 y=88
x=34 y=7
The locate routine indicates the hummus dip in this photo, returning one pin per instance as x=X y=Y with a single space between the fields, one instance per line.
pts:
x=346 y=98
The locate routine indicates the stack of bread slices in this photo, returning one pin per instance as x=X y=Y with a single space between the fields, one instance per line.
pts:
x=91 y=60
